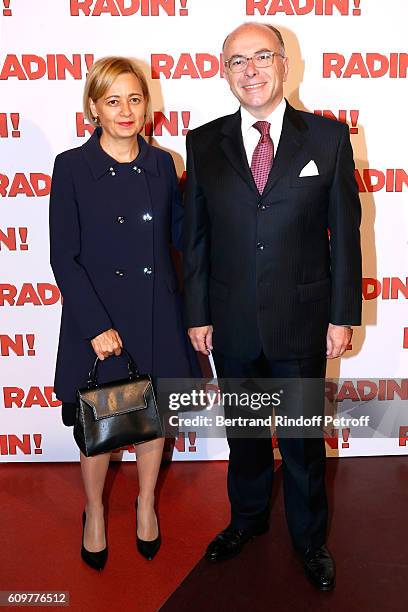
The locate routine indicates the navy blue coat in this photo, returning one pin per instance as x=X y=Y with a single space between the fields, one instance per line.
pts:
x=111 y=226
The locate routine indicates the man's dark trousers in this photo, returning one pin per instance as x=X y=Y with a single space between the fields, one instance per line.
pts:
x=251 y=463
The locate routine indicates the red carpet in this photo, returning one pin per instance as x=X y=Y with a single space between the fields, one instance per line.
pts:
x=41 y=507
x=41 y=527
x=369 y=500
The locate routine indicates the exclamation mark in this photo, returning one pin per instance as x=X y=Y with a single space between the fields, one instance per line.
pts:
x=192 y=438
x=354 y=120
x=89 y=60
x=37 y=442
x=15 y=120
x=184 y=9
x=185 y=117
x=346 y=434
x=23 y=231
x=357 y=10
x=6 y=11
x=30 y=342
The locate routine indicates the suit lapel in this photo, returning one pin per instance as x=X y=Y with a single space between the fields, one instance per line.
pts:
x=233 y=148
x=290 y=143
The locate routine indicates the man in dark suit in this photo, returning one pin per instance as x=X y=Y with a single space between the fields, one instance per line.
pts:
x=272 y=275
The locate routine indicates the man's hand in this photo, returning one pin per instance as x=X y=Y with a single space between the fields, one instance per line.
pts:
x=107 y=343
x=338 y=339
x=201 y=338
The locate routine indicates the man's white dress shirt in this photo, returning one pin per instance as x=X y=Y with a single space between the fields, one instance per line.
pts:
x=251 y=135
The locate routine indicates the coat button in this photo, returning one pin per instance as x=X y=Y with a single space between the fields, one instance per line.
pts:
x=120 y=219
x=147 y=271
x=147 y=217
x=260 y=246
x=119 y=273
x=261 y=206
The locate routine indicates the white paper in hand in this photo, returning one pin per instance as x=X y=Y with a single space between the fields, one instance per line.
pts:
x=212 y=364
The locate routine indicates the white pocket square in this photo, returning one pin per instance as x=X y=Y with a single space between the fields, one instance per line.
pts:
x=309 y=170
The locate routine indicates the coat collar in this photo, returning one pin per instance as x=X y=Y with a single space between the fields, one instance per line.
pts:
x=100 y=162
x=293 y=134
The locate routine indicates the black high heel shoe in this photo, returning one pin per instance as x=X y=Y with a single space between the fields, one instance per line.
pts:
x=147 y=548
x=96 y=560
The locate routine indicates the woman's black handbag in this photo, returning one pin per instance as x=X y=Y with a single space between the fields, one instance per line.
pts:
x=116 y=414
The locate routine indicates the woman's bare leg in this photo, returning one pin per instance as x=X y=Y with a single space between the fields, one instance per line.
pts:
x=94 y=471
x=149 y=456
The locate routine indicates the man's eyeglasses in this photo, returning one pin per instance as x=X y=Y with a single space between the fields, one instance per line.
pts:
x=263 y=59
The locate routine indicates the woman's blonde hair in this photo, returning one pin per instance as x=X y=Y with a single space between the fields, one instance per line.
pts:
x=101 y=76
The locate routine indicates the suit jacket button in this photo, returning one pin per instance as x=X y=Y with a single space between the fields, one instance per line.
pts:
x=261 y=206
x=120 y=219
x=119 y=273
x=260 y=246
x=147 y=271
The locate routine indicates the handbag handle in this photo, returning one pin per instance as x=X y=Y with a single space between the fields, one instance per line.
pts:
x=132 y=369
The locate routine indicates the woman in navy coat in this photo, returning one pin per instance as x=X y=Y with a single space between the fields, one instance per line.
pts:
x=114 y=210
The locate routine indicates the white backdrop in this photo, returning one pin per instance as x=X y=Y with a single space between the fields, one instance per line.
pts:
x=346 y=58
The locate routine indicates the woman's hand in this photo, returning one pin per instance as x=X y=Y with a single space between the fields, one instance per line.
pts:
x=107 y=343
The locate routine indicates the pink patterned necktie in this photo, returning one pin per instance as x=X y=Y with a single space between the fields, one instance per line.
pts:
x=262 y=159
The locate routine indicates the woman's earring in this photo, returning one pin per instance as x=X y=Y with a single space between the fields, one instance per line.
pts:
x=95 y=119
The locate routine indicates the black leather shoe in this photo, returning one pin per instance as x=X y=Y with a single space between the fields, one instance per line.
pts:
x=147 y=548
x=319 y=568
x=96 y=560
x=230 y=542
